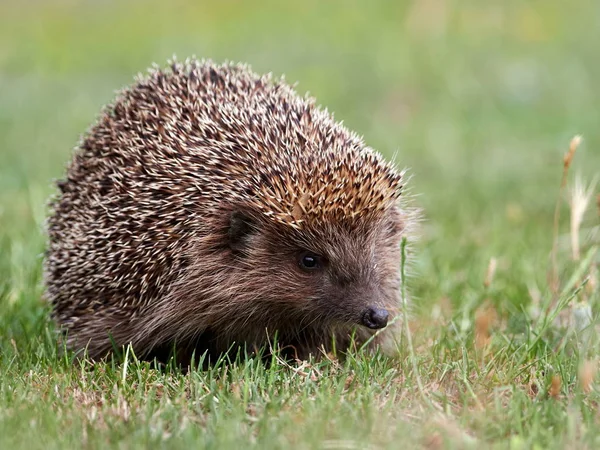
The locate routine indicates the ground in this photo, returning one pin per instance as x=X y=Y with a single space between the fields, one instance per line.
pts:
x=479 y=99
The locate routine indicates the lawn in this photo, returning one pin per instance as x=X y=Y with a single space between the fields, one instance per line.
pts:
x=479 y=99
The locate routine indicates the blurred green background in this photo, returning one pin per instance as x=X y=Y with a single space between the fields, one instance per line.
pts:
x=478 y=99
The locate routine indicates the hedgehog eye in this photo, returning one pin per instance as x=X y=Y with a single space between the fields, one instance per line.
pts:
x=310 y=262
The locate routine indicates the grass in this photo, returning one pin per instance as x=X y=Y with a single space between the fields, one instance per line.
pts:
x=479 y=100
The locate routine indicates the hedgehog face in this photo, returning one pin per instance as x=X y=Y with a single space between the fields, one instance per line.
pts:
x=358 y=272
x=332 y=274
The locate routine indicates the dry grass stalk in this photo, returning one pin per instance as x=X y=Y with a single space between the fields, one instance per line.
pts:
x=575 y=142
x=491 y=270
x=579 y=200
x=555 y=386
x=587 y=373
x=485 y=317
x=14 y=346
x=568 y=158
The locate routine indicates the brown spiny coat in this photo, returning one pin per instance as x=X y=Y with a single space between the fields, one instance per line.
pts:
x=210 y=206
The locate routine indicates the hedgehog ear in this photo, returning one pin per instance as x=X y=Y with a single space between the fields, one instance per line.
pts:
x=241 y=227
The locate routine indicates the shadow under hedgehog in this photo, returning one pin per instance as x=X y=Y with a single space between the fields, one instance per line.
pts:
x=211 y=207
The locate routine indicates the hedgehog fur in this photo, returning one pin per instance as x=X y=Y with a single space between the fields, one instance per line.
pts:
x=210 y=207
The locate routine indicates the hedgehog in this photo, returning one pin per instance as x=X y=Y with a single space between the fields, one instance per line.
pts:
x=210 y=208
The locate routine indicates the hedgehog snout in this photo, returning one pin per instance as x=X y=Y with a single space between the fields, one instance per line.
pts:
x=375 y=318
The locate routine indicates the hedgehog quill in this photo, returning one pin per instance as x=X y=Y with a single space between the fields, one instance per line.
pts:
x=210 y=207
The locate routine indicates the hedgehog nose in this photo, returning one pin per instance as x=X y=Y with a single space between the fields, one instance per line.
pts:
x=375 y=318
